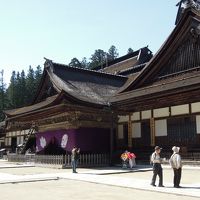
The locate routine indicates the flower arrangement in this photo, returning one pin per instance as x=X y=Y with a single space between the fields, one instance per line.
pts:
x=124 y=156
x=127 y=155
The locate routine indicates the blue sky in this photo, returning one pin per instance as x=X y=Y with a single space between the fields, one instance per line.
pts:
x=63 y=29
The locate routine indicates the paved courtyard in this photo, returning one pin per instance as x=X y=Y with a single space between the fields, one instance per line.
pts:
x=18 y=181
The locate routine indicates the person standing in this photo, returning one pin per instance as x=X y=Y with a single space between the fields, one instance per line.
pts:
x=74 y=158
x=124 y=157
x=131 y=157
x=156 y=160
x=176 y=164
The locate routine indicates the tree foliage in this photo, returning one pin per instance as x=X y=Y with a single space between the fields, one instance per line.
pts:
x=130 y=50
x=21 y=90
x=98 y=58
x=2 y=95
x=112 y=53
x=75 y=63
x=22 y=87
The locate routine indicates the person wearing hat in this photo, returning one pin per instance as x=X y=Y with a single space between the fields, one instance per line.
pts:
x=156 y=160
x=176 y=164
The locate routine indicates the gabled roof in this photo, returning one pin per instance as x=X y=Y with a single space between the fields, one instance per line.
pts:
x=190 y=19
x=75 y=85
x=84 y=85
x=161 y=88
x=123 y=64
x=26 y=109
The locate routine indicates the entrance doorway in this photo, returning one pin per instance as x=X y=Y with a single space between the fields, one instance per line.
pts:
x=146 y=133
x=13 y=144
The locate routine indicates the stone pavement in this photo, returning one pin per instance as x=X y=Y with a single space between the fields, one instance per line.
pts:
x=192 y=190
x=105 y=176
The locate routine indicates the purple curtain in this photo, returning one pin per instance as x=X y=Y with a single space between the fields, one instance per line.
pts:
x=88 y=139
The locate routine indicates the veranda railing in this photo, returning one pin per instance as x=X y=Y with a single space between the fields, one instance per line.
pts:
x=86 y=160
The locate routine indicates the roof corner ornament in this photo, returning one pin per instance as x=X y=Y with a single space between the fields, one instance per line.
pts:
x=184 y=4
x=195 y=32
x=193 y=4
x=48 y=64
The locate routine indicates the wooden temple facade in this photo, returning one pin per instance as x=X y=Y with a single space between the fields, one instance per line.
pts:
x=136 y=101
x=72 y=108
x=163 y=100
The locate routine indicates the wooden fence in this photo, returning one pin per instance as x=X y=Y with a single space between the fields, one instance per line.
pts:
x=86 y=160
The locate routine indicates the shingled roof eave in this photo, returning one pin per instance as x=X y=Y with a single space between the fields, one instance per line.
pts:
x=188 y=15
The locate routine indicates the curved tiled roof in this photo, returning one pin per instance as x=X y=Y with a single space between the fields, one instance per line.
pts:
x=77 y=85
x=85 y=85
x=31 y=108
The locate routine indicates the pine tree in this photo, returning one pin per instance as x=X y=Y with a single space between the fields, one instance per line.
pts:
x=84 y=63
x=22 y=89
x=38 y=76
x=112 y=53
x=2 y=95
x=98 y=58
x=30 y=85
x=17 y=91
x=75 y=63
x=11 y=91
x=130 y=50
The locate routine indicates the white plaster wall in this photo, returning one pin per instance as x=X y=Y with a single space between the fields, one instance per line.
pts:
x=120 y=131
x=123 y=118
x=146 y=114
x=198 y=123
x=135 y=116
x=195 y=107
x=161 y=112
x=161 y=127
x=179 y=110
x=136 y=130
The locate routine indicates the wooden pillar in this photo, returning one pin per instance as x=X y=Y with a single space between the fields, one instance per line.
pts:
x=111 y=138
x=152 y=127
x=129 y=132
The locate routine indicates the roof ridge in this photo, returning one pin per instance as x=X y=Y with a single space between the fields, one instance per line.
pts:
x=90 y=70
x=112 y=62
x=134 y=67
x=123 y=61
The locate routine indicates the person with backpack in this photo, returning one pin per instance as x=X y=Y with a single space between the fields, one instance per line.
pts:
x=156 y=160
x=176 y=164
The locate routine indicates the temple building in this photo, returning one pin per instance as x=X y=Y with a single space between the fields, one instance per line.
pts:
x=163 y=101
x=71 y=108
x=134 y=102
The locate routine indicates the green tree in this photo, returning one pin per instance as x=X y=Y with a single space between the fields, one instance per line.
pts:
x=98 y=58
x=11 y=91
x=21 y=89
x=84 y=63
x=130 y=50
x=30 y=85
x=17 y=91
x=75 y=63
x=2 y=95
x=112 y=53
x=38 y=76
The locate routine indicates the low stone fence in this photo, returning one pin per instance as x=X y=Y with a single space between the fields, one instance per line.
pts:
x=85 y=160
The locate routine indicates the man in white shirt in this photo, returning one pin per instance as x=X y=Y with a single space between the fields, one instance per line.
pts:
x=157 y=168
x=176 y=164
